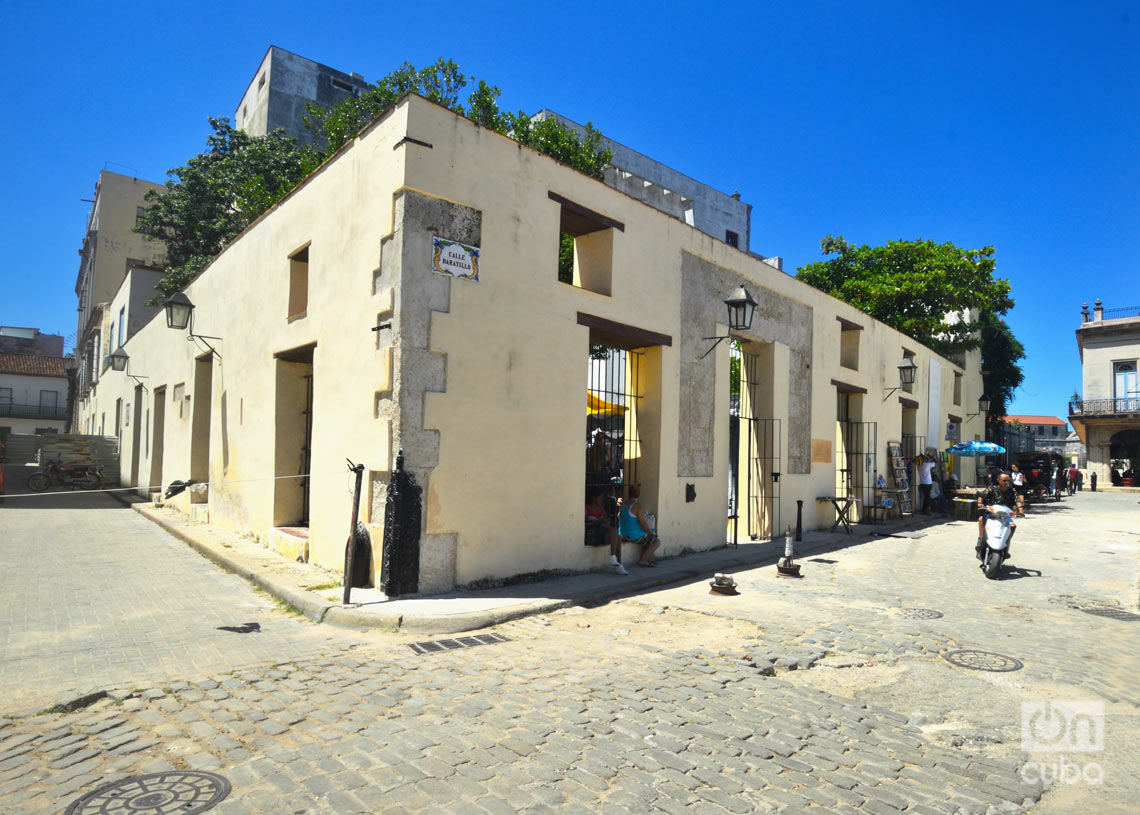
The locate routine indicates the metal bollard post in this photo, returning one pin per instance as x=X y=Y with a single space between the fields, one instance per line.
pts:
x=799 y=521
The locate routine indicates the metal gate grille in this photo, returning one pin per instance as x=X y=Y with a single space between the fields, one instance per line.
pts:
x=762 y=511
x=912 y=446
x=857 y=468
x=613 y=442
x=306 y=451
x=761 y=440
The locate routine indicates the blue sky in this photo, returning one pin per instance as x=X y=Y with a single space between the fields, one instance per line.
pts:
x=1015 y=125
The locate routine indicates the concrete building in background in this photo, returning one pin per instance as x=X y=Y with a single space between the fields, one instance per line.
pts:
x=724 y=217
x=286 y=82
x=111 y=250
x=283 y=85
x=405 y=296
x=16 y=340
x=1051 y=434
x=33 y=393
x=1107 y=417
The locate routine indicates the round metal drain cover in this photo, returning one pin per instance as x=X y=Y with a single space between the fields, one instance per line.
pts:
x=181 y=792
x=983 y=661
x=919 y=614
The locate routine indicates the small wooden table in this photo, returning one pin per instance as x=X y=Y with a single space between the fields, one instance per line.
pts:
x=842 y=510
x=965 y=508
x=891 y=491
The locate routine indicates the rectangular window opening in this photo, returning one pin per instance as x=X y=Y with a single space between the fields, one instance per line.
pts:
x=298 y=283
x=957 y=388
x=731 y=238
x=340 y=84
x=849 y=344
x=585 y=246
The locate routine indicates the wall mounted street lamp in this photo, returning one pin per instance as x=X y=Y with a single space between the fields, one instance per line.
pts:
x=180 y=316
x=906 y=376
x=741 y=307
x=120 y=361
x=983 y=407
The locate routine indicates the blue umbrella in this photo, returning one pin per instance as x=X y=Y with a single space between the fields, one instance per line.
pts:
x=976 y=448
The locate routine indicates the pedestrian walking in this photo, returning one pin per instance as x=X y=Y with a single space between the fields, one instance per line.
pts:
x=924 y=466
x=1073 y=473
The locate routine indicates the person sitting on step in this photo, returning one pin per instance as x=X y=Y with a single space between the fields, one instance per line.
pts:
x=633 y=526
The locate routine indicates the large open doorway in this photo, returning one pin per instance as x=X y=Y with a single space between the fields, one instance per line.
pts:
x=856 y=468
x=754 y=439
x=136 y=435
x=623 y=420
x=158 y=431
x=200 y=429
x=293 y=437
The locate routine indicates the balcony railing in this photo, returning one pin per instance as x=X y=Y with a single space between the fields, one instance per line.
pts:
x=1104 y=407
x=14 y=411
x=1120 y=313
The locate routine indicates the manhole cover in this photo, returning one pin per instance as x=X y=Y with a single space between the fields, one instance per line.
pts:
x=983 y=661
x=1114 y=613
x=919 y=614
x=184 y=793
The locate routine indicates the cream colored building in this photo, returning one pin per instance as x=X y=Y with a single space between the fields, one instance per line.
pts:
x=111 y=249
x=481 y=378
x=1107 y=418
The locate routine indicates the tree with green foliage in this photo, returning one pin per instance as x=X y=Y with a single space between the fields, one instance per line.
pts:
x=913 y=286
x=443 y=82
x=217 y=194
x=1001 y=351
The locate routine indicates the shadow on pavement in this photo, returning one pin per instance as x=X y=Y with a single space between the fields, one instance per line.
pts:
x=1017 y=572
x=16 y=494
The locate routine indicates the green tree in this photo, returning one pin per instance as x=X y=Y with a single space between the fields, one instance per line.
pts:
x=440 y=82
x=218 y=193
x=913 y=286
x=443 y=82
x=1001 y=351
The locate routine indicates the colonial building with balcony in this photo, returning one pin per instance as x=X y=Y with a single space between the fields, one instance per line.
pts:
x=33 y=393
x=1107 y=418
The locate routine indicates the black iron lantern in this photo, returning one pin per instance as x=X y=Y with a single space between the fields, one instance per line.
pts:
x=907 y=371
x=118 y=359
x=178 y=310
x=741 y=307
x=983 y=404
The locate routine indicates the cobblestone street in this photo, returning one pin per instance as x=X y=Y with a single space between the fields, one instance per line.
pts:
x=828 y=694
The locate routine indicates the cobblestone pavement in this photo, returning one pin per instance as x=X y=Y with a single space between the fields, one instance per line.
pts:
x=93 y=594
x=819 y=695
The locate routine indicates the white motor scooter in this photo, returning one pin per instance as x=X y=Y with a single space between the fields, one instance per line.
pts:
x=995 y=548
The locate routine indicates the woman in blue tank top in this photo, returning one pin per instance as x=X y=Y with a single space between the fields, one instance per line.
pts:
x=633 y=526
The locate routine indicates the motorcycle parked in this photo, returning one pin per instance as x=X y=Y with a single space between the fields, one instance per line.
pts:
x=72 y=476
x=995 y=546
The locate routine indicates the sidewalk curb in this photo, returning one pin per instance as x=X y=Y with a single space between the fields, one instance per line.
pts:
x=316 y=608
x=306 y=602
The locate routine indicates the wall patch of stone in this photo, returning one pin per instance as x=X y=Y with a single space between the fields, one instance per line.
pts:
x=406 y=265
x=704 y=287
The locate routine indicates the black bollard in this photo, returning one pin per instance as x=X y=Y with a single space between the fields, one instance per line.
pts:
x=1092 y=481
x=799 y=521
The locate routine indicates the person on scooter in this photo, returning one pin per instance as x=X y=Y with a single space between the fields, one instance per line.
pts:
x=1002 y=493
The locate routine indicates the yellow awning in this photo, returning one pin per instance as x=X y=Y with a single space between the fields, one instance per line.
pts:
x=595 y=404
